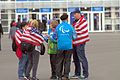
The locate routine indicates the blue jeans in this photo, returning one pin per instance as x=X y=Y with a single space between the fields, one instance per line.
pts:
x=22 y=66
x=79 y=57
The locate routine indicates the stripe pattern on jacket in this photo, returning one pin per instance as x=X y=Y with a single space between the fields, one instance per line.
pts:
x=81 y=28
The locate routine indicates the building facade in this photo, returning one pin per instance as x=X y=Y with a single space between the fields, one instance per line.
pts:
x=102 y=15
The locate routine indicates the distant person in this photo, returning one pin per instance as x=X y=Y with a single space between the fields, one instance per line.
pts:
x=22 y=56
x=33 y=56
x=52 y=48
x=1 y=33
x=12 y=31
x=80 y=24
x=19 y=23
x=12 y=23
x=44 y=21
x=64 y=34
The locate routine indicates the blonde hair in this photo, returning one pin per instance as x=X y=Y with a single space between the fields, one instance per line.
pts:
x=35 y=23
x=54 y=23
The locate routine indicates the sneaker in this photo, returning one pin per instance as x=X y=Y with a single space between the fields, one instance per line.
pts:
x=59 y=78
x=34 y=78
x=74 y=77
x=28 y=78
x=22 y=78
x=83 y=77
x=53 y=77
x=65 y=78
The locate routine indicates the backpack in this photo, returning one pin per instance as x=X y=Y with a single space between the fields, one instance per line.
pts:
x=27 y=47
x=14 y=46
x=42 y=49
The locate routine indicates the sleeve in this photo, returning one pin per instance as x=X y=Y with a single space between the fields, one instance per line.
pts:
x=74 y=35
x=54 y=36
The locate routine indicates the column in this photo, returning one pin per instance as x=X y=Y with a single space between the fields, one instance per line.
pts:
x=9 y=19
x=113 y=18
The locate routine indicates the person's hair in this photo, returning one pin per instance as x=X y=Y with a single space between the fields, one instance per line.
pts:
x=35 y=23
x=23 y=24
x=54 y=23
x=64 y=16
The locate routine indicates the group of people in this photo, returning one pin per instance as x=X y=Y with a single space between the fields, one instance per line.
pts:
x=64 y=40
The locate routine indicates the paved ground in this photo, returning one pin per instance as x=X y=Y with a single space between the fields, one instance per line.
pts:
x=103 y=52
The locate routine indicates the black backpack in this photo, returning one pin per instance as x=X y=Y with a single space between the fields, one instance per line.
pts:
x=27 y=47
x=14 y=46
x=42 y=49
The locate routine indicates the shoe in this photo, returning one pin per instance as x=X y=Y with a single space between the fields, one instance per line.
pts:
x=74 y=77
x=83 y=77
x=65 y=78
x=28 y=78
x=22 y=78
x=59 y=78
x=34 y=78
x=53 y=77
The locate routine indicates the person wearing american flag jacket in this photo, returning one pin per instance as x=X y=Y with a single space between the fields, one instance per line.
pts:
x=33 y=57
x=29 y=35
x=23 y=58
x=80 y=25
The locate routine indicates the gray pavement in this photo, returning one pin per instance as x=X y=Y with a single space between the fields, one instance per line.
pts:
x=103 y=52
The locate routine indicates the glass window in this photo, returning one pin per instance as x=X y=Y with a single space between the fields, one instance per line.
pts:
x=108 y=27
x=85 y=9
x=96 y=21
x=4 y=23
x=117 y=27
x=107 y=8
x=33 y=10
x=56 y=10
x=4 y=16
x=5 y=29
x=4 y=11
x=107 y=14
x=12 y=16
x=117 y=14
x=64 y=9
x=56 y=16
x=117 y=8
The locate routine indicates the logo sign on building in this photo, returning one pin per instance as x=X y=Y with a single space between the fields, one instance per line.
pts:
x=97 y=8
x=21 y=10
x=45 y=10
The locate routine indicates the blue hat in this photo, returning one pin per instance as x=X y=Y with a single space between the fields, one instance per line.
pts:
x=76 y=10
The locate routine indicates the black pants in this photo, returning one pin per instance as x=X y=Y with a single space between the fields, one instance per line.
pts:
x=53 y=64
x=63 y=59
